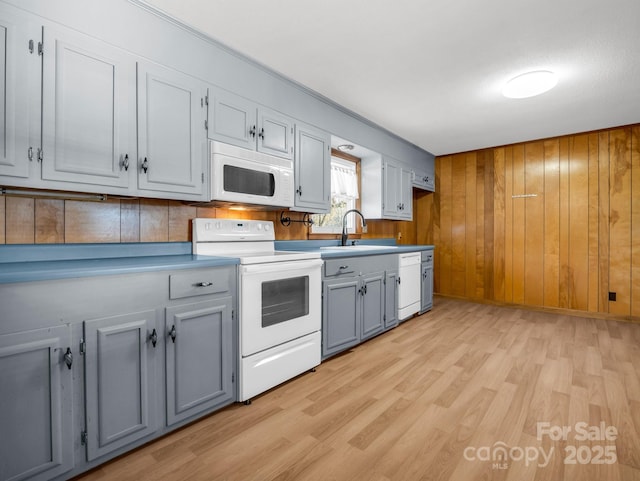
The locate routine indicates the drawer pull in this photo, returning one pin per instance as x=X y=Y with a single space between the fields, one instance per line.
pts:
x=204 y=284
x=343 y=267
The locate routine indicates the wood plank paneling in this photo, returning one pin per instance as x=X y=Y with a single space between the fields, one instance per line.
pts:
x=498 y=224
x=484 y=272
x=437 y=212
x=635 y=221
x=518 y=224
x=578 y=271
x=446 y=206
x=154 y=220
x=564 y=288
x=2 y=220
x=534 y=224
x=180 y=217
x=471 y=223
x=592 y=206
x=129 y=220
x=49 y=221
x=603 y=221
x=458 y=231
x=508 y=224
x=551 y=223
x=20 y=220
x=620 y=220
x=92 y=222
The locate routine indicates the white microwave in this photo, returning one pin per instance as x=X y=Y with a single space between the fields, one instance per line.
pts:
x=247 y=177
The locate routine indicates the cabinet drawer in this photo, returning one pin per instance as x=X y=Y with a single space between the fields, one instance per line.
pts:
x=427 y=257
x=337 y=267
x=198 y=283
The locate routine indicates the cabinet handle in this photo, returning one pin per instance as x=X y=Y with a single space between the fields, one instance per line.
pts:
x=125 y=163
x=153 y=337
x=30 y=154
x=145 y=165
x=299 y=190
x=252 y=131
x=361 y=291
x=365 y=289
x=424 y=275
x=68 y=358
x=261 y=134
x=398 y=281
x=173 y=333
x=343 y=267
x=204 y=284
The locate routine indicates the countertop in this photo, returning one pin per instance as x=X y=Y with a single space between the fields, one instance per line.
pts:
x=26 y=263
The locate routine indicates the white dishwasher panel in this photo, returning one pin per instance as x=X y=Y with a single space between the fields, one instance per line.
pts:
x=409 y=288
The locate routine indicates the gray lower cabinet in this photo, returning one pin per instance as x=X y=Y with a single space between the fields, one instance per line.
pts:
x=341 y=314
x=391 y=299
x=426 y=293
x=36 y=404
x=199 y=358
x=120 y=381
x=359 y=300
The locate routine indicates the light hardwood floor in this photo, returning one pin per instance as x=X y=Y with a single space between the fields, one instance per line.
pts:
x=421 y=401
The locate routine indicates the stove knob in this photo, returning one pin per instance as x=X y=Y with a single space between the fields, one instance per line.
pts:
x=259 y=226
x=218 y=225
x=267 y=227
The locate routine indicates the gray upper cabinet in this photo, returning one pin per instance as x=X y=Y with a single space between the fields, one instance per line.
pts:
x=199 y=358
x=424 y=179
x=387 y=191
x=171 y=131
x=35 y=404
x=238 y=121
x=20 y=68
x=88 y=110
x=120 y=381
x=312 y=169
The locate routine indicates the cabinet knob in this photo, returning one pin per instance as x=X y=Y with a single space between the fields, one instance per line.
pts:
x=299 y=190
x=398 y=281
x=252 y=131
x=68 y=358
x=261 y=134
x=173 y=333
x=124 y=163
x=145 y=165
x=153 y=337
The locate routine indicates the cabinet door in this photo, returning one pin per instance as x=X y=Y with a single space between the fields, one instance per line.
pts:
x=88 y=110
x=312 y=170
x=232 y=119
x=406 y=194
x=199 y=358
x=340 y=315
x=120 y=381
x=390 y=187
x=391 y=299
x=19 y=67
x=35 y=404
x=372 y=305
x=275 y=133
x=172 y=146
x=426 y=298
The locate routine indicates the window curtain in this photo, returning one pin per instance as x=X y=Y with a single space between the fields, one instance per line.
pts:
x=344 y=182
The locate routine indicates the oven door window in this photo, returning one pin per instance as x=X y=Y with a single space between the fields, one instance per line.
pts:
x=248 y=181
x=284 y=300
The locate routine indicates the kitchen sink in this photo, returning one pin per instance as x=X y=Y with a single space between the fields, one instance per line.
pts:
x=358 y=247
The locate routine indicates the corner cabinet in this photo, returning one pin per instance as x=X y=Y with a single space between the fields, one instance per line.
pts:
x=312 y=170
x=36 y=403
x=238 y=121
x=386 y=189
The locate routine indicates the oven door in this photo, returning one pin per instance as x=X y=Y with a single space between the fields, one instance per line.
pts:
x=279 y=302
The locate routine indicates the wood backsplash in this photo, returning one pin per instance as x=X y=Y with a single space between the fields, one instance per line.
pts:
x=26 y=220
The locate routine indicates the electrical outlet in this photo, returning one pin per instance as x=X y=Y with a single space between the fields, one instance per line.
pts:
x=612 y=296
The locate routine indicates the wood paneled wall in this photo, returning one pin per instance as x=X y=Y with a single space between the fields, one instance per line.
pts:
x=552 y=223
x=27 y=220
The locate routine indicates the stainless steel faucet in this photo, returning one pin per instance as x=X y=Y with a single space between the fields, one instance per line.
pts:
x=345 y=236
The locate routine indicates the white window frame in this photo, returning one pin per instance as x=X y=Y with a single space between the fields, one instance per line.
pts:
x=351 y=204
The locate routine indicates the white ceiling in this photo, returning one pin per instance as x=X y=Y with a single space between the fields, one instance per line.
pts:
x=431 y=71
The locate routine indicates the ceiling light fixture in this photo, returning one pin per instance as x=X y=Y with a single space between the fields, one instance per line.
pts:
x=530 y=84
x=345 y=147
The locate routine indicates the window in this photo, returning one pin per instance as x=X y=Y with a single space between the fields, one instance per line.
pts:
x=344 y=193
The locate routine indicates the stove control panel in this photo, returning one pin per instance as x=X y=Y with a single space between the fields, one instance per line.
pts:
x=232 y=230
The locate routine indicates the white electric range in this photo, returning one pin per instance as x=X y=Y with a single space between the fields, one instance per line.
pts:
x=279 y=301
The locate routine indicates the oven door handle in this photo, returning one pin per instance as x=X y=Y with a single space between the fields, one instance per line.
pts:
x=282 y=266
